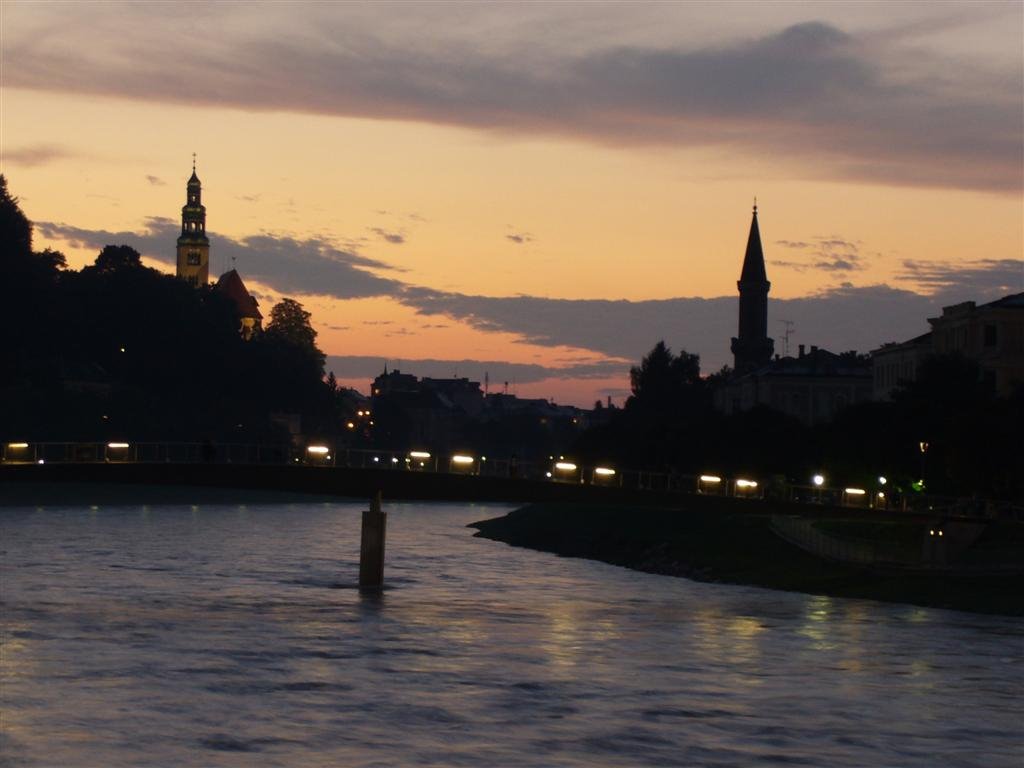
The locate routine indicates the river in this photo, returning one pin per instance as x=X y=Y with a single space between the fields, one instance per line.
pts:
x=231 y=635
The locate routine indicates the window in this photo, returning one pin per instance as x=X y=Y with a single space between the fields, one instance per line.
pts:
x=991 y=335
x=193 y=258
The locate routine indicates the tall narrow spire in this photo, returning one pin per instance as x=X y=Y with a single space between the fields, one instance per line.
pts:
x=752 y=347
x=753 y=261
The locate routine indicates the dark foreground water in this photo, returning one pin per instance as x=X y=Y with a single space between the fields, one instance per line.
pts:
x=230 y=636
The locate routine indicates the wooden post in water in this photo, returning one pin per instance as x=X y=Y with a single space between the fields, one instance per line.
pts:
x=371 y=552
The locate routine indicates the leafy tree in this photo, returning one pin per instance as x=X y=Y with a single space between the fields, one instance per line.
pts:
x=663 y=381
x=115 y=257
x=289 y=323
x=15 y=228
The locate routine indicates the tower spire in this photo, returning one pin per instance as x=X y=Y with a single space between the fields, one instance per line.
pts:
x=194 y=170
x=752 y=347
x=193 y=258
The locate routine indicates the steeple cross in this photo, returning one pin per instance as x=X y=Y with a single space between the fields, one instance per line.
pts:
x=193 y=162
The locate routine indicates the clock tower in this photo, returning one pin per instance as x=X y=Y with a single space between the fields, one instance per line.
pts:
x=193 y=245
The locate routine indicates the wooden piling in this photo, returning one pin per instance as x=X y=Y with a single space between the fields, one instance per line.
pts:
x=371 y=552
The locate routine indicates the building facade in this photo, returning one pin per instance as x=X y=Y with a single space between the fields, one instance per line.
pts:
x=992 y=335
x=812 y=387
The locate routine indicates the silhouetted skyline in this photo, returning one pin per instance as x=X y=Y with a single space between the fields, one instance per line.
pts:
x=526 y=198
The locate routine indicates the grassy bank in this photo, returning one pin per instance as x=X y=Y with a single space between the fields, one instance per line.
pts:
x=740 y=548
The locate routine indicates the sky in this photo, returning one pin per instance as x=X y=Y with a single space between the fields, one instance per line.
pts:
x=536 y=192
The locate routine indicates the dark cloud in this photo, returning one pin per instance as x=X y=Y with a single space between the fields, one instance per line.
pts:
x=841 y=318
x=37 y=154
x=519 y=238
x=289 y=265
x=987 y=279
x=391 y=237
x=156 y=181
x=825 y=253
x=832 y=104
x=356 y=366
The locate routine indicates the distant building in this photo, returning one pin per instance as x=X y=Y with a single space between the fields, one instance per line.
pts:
x=230 y=284
x=461 y=393
x=394 y=382
x=752 y=347
x=893 y=364
x=812 y=387
x=992 y=335
x=193 y=257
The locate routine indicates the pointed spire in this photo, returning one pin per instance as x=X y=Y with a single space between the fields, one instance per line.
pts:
x=753 y=262
x=193 y=179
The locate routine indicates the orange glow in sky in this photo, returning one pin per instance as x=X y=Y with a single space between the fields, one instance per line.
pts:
x=552 y=182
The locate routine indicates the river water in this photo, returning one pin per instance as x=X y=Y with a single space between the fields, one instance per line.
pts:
x=230 y=635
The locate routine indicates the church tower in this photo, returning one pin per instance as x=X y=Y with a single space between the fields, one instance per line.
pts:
x=752 y=348
x=193 y=245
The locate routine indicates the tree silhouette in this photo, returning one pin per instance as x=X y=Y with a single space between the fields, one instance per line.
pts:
x=15 y=228
x=289 y=323
x=115 y=257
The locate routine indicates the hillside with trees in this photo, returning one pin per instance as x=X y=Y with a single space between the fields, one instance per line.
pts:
x=117 y=350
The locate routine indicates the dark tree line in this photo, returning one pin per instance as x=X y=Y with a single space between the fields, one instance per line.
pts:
x=119 y=350
x=974 y=439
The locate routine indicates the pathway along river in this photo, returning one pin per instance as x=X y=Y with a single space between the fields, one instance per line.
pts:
x=230 y=636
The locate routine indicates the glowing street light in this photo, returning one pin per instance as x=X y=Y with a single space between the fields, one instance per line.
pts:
x=882 y=480
x=744 y=487
x=565 y=466
x=708 y=483
x=461 y=462
x=818 y=480
x=604 y=471
x=318 y=450
x=419 y=454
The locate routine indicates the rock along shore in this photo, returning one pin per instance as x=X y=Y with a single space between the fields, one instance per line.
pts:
x=741 y=548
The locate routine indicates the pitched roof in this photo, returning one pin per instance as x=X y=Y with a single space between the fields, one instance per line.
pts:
x=231 y=285
x=753 y=261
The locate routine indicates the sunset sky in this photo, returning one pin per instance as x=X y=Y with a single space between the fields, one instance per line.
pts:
x=536 y=191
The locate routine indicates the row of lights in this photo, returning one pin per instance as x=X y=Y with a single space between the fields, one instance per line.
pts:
x=739 y=483
x=20 y=446
x=563 y=466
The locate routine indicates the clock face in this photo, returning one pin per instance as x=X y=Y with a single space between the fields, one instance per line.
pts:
x=193 y=258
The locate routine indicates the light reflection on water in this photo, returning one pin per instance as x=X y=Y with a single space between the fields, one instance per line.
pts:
x=231 y=636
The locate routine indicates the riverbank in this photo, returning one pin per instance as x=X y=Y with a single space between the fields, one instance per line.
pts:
x=741 y=548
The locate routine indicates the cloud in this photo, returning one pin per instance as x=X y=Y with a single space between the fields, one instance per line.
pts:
x=842 y=318
x=986 y=279
x=248 y=198
x=519 y=238
x=830 y=253
x=391 y=237
x=156 y=181
x=37 y=154
x=829 y=103
x=289 y=265
x=368 y=367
